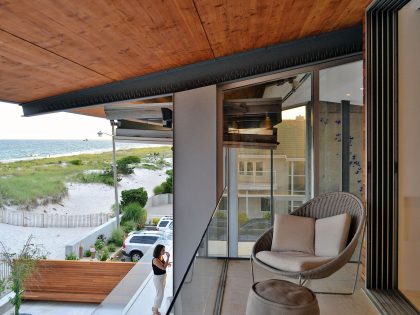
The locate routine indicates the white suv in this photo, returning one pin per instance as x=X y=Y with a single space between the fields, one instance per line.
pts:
x=138 y=243
x=164 y=224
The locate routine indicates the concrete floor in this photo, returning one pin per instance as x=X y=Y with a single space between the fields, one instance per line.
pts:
x=239 y=281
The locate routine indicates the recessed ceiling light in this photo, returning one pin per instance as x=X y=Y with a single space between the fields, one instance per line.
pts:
x=361 y=88
x=348 y=94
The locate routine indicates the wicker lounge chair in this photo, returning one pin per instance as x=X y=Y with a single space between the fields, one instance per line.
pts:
x=323 y=206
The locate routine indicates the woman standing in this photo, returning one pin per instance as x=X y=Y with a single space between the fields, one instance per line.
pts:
x=159 y=279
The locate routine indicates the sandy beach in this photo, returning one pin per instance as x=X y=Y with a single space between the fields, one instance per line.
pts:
x=95 y=198
x=53 y=239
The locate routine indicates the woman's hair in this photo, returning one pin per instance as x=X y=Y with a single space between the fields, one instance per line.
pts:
x=158 y=249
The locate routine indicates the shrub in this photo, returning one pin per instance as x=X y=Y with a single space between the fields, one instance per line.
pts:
x=220 y=214
x=166 y=186
x=76 y=162
x=267 y=215
x=242 y=218
x=104 y=255
x=138 y=195
x=124 y=164
x=99 y=244
x=105 y=178
x=129 y=226
x=101 y=237
x=71 y=256
x=155 y=221
x=117 y=237
x=134 y=212
x=158 y=190
x=88 y=253
x=111 y=247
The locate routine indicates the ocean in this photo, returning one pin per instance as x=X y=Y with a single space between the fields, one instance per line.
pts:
x=15 y=150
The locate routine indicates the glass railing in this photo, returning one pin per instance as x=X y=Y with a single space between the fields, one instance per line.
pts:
x=200 y=289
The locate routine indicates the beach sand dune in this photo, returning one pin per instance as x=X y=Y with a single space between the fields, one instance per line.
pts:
x=96 y=198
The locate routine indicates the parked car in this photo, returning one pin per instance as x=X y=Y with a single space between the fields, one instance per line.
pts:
x=253 y=229
x=164 y=224
x=249 y=231
x=139 y=242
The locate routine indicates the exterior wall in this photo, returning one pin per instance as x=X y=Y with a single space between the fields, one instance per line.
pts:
x=195 y=171
x=89 y=239
x=409 y=150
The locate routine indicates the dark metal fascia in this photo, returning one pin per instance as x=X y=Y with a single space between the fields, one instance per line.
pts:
x=220 y=70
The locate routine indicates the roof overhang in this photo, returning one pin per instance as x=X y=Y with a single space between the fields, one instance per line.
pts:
x=310 y=50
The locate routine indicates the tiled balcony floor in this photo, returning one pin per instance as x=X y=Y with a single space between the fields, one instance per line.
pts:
x=239 y=281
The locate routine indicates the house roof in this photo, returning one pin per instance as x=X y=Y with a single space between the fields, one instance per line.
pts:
x=65 y=46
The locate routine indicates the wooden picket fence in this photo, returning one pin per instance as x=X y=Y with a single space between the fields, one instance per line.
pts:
x=47 y=220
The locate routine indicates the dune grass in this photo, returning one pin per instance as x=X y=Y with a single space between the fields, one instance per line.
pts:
x=29 y=182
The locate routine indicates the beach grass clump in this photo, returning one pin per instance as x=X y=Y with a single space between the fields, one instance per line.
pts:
x=117 y=237
x=126 y=164
x=138 y=195
x=29 y=189
x=76 y=162
x=136 y=213
x=30 y=182
x=129 y=226
x=100 y=178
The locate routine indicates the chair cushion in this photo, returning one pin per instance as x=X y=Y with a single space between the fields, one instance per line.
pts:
x=293 y=233
x=292 y=261
x=331 y=235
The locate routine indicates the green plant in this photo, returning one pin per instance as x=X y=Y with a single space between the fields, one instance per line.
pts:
x=22 y=266
x=76 y=162
x=134 y=212
x=111 y=247
x=99 y=244
x=129 y=226
x=104 y=254
x=155 y=221
x=117 y=237
x=106 y=178
x=220 y=214
x=124 y=165
x=242 y=218
x=88 y=253
x=267 y=215
x=138 y=195
x=71 y=256
x=166 y=186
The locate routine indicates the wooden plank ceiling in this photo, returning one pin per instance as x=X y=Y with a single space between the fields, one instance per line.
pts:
x=51 y=47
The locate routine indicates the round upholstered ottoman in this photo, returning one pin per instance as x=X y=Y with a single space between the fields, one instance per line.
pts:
x=275 y=297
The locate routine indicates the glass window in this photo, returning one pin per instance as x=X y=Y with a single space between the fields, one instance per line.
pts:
x=241 y=167
x=265 y=204
x=249 y=168
x=259 y=168
x=341 y=128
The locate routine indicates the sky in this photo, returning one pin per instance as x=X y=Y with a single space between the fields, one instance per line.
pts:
x=50 y=126
x=64 y=125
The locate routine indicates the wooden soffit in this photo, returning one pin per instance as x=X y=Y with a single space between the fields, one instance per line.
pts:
x=52 y=47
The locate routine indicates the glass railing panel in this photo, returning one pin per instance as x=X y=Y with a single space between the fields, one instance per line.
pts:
x=200 y=289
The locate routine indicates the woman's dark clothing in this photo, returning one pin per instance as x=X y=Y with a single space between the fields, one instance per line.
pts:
x=156 y=270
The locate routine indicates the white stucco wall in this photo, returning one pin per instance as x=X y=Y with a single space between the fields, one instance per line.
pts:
x=195 y=171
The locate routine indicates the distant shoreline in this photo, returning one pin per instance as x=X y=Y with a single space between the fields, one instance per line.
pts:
x=33 y=149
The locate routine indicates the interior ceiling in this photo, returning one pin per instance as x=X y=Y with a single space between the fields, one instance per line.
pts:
x=62 y=46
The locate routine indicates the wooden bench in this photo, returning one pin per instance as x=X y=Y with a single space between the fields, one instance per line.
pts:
x=74 y=281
